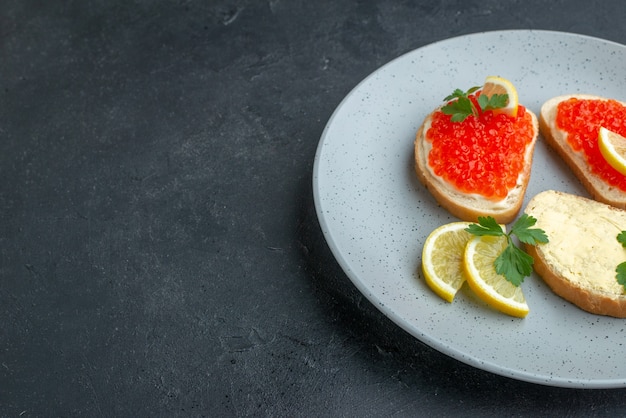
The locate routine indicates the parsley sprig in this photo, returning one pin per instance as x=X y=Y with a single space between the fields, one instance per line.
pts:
x=621 y=268
x=514 y=264
x=463 y=106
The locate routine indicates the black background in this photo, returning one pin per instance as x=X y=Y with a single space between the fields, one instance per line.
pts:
x=159 y=249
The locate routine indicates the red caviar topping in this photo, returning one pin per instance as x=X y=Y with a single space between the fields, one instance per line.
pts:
x=482 y=155
x=582 y=119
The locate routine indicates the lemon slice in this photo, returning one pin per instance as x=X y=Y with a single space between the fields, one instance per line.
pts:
x=498 y=85
x=491 y=287
x=613 y=149
x=442 y=259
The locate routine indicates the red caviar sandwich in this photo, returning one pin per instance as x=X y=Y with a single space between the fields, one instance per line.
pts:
x=587 y=132
x=474 y=154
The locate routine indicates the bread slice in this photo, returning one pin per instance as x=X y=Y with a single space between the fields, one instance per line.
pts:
x=469 y=207
x=579 y=261
x=557 y=139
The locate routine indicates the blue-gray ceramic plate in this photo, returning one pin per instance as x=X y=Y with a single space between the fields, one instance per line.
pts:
x=375 y=215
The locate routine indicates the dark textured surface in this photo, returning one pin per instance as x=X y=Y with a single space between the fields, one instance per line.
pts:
x=159 y=249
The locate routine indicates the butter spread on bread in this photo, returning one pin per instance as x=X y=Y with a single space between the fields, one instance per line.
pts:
x=579 y=262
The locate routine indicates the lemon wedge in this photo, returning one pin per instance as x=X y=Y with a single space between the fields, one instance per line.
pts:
x=498 y=85
x=491 y=287
x=613 y=148
x=442 y=259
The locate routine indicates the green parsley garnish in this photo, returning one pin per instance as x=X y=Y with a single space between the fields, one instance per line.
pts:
x=621 y=268
x=514 y=264
x=462 y=107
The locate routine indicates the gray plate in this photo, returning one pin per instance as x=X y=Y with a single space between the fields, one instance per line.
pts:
x=375 y=215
